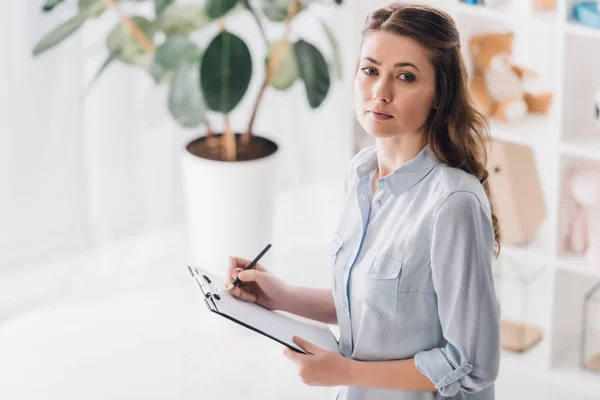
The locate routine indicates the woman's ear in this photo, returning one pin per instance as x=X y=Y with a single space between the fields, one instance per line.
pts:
x=436 y=103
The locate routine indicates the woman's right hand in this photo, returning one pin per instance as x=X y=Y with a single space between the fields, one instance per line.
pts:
x=257 y=285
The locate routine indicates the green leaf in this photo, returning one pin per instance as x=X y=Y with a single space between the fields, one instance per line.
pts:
x=160 y=5
x=127 y=49
x=94 y=8
x=218 y=8
x=286 y=72
x=182 y=20
x=50 y=4
x=170 y=55
x=275 y=10
x=60 y=33
x=225 y=72
x=337 y=57
x=186 y=103
x=313 y=71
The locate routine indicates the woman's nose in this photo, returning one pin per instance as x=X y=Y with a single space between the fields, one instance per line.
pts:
x=381 y=91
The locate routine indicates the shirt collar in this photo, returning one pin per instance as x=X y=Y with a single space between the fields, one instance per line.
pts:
x=403 y=177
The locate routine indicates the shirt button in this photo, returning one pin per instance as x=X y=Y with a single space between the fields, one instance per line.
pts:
x=362 y=197
x=378 y=202
x=380 y=182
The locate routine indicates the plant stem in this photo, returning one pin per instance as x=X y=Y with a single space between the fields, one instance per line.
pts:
x=271 y=68
x=134 y=30
x=230 y=150
x=255 y=15
x=209 y=132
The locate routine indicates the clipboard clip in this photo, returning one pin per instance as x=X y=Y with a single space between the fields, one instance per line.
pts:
x=205 y=284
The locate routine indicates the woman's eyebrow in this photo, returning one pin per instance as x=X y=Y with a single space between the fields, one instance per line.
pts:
x=397 y=65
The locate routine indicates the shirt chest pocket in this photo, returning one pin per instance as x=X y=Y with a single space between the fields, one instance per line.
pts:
x=381 y=287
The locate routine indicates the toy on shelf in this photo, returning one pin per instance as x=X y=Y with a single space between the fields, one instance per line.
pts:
x=500 y=89
x=589 y=356
x=579 y=224
x=514 y=281
x=588 y=13
x=543 y=5
x=515 y=191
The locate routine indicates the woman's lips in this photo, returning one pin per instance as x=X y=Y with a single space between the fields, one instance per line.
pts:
x=380 y=116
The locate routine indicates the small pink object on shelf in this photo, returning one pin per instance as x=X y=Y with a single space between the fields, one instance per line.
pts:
x=580 y=212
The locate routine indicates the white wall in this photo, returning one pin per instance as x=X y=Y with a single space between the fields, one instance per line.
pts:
x=82 y=172
x=40 y=120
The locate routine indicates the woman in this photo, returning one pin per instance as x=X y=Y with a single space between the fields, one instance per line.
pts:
x=413 y=292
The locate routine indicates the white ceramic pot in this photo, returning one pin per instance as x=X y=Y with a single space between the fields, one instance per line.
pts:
x=230 y=207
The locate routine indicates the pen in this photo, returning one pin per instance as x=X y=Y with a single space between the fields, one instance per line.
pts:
x=251 y=265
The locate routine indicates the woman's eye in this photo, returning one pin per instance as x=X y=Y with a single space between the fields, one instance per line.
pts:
x=407 y=77
x=369 y=71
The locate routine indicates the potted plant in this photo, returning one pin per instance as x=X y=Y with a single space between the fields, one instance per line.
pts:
x=228 y=176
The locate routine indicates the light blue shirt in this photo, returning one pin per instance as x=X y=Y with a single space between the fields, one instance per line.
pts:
x=412 y=276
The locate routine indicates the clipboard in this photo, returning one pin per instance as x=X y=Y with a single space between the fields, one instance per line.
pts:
x=272 y=324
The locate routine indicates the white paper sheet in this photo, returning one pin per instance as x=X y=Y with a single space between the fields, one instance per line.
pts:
x=279 y=325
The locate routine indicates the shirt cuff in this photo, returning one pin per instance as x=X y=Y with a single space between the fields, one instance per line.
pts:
x=446 y=378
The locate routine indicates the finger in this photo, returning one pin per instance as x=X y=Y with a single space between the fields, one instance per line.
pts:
x=251 y=275
x=306 y=345
x=247 y=296
x=291 y=354
x=241 y=293
x=235 y=273
x=235 y=291
x=231 y=271
x=243 y=263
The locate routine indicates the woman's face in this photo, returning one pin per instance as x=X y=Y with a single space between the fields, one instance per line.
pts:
x=394 y=87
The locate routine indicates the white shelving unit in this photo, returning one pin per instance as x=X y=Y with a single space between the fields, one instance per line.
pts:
x=567 y=57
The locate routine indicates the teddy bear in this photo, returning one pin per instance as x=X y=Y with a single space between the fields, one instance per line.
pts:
x=500 y=89
x=579 y=223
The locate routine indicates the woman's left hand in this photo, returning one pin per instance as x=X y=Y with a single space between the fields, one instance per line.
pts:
x=320 y=368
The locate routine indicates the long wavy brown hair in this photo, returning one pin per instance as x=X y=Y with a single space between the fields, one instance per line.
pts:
x=456 y=132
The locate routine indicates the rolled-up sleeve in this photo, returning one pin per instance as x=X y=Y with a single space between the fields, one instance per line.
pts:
x=461 y=265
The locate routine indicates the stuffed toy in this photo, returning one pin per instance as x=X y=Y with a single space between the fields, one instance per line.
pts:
x=579 y=224
x=501 y=90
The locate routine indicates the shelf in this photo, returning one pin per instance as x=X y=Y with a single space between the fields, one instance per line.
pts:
x=579 y=147
x=529 y=131
x=567 y=368
x=487 y=12
x=532 y=363
x=578 y=264
x=546 y=18
x=537 y=250
x=576 y=28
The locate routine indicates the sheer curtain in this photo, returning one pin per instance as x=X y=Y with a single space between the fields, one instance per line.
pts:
x=76 y=173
